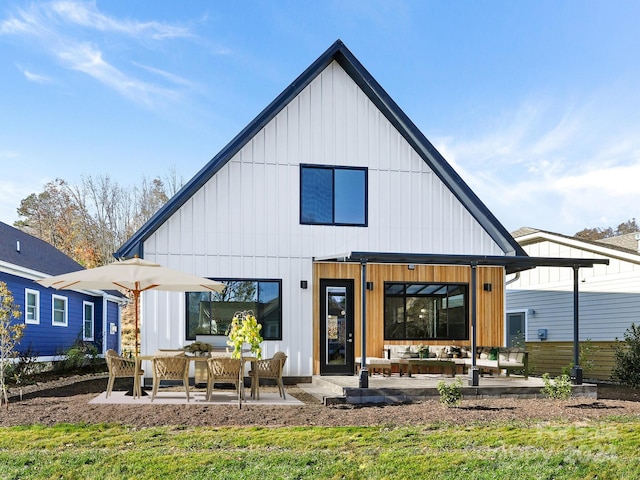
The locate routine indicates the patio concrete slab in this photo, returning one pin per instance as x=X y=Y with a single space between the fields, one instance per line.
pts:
x=170 y=397
x=396 y=389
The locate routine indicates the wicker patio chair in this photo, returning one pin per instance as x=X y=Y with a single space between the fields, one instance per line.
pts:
x=121 y=367
x=170 y=367
x=225 y=369
x=269 y=368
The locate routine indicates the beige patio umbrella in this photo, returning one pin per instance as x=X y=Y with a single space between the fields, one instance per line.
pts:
x=134 y=275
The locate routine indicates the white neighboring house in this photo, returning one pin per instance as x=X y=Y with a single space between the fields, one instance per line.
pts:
x=331 y=166
x=540 y=301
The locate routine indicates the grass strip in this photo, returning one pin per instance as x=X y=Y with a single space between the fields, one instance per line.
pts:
x=601 y=449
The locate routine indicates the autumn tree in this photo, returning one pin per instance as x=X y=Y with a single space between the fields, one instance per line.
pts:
x=630 y=226
x=52 y=216
x=91 y=220
x=596 y=233
x=10 y=335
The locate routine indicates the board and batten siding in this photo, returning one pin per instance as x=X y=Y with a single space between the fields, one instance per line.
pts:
x=609 y=296
x=244 y=222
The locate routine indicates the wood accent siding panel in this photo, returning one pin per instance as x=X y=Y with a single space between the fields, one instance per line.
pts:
x=551 y=357
x=490 y=305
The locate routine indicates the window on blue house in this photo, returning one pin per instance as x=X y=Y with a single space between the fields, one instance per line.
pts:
x=87 y=321
x=210 y=313
x=31 y=306
x=333 y=195
x=426 y=311
x=60 y=314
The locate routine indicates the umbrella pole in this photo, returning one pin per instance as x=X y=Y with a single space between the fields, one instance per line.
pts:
x=136 y=295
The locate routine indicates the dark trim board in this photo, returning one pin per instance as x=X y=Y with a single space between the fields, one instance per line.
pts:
x=511 y=264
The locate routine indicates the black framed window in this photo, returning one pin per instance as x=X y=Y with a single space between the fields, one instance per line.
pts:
x=210 y=313
x=333 y=195
x=426 y=311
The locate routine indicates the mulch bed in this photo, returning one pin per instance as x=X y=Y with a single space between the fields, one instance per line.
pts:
x=66 y=400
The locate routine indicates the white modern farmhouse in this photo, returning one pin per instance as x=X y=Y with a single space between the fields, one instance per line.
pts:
x=330 y=214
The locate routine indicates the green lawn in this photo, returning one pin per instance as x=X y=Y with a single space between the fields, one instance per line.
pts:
x=601 y=449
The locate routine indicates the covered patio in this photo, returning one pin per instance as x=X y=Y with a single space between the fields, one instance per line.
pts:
x=511 y=265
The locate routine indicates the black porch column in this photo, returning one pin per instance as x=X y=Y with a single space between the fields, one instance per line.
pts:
x=364 y=371
x=576 y=372
x=474 y=372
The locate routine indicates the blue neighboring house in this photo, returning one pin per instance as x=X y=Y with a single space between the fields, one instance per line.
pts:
x=55 y=319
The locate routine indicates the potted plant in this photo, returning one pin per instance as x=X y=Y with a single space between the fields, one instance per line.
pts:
x=198 y=348
x=245 y=328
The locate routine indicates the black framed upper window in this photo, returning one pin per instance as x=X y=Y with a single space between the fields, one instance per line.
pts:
x=210 y=313
x=426 y=311
x=333 y=195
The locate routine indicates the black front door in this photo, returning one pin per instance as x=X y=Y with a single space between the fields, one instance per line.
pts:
x=336 y=327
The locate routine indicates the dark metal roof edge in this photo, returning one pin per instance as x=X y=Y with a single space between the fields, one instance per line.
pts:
x=390 y=109
x=511 y=263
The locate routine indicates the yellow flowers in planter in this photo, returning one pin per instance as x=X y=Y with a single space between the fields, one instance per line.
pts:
x=245 y=328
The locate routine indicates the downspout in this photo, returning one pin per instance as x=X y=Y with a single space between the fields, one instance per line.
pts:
x=513 y=280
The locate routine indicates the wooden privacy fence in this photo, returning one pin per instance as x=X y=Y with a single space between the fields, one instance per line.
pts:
x=551 y=357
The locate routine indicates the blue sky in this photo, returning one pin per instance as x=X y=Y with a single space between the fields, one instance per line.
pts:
x=536 y=104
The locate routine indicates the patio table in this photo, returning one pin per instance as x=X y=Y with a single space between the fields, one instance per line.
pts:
x=427 y=362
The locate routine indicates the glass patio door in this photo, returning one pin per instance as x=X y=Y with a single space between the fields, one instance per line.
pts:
x=336 y=327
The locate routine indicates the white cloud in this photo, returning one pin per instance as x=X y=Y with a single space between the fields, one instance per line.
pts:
x=87 y=59
x=553 y=165
x=36 y=78
x=66 y=29
x=176 y=79
x=86 y=14
x=8 y=154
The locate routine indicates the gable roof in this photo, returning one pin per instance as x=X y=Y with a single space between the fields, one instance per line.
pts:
x=614 y=247
x=337 y=52
x=23 y=250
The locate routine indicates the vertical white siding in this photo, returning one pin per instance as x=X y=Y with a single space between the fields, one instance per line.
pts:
x=244 y=223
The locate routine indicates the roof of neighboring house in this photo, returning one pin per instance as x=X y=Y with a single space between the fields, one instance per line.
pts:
x=628 y=241
x=24 y=250
x=337 y=52
x=612 y=246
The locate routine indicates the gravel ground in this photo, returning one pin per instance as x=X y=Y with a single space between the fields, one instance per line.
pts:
x=67 y=401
